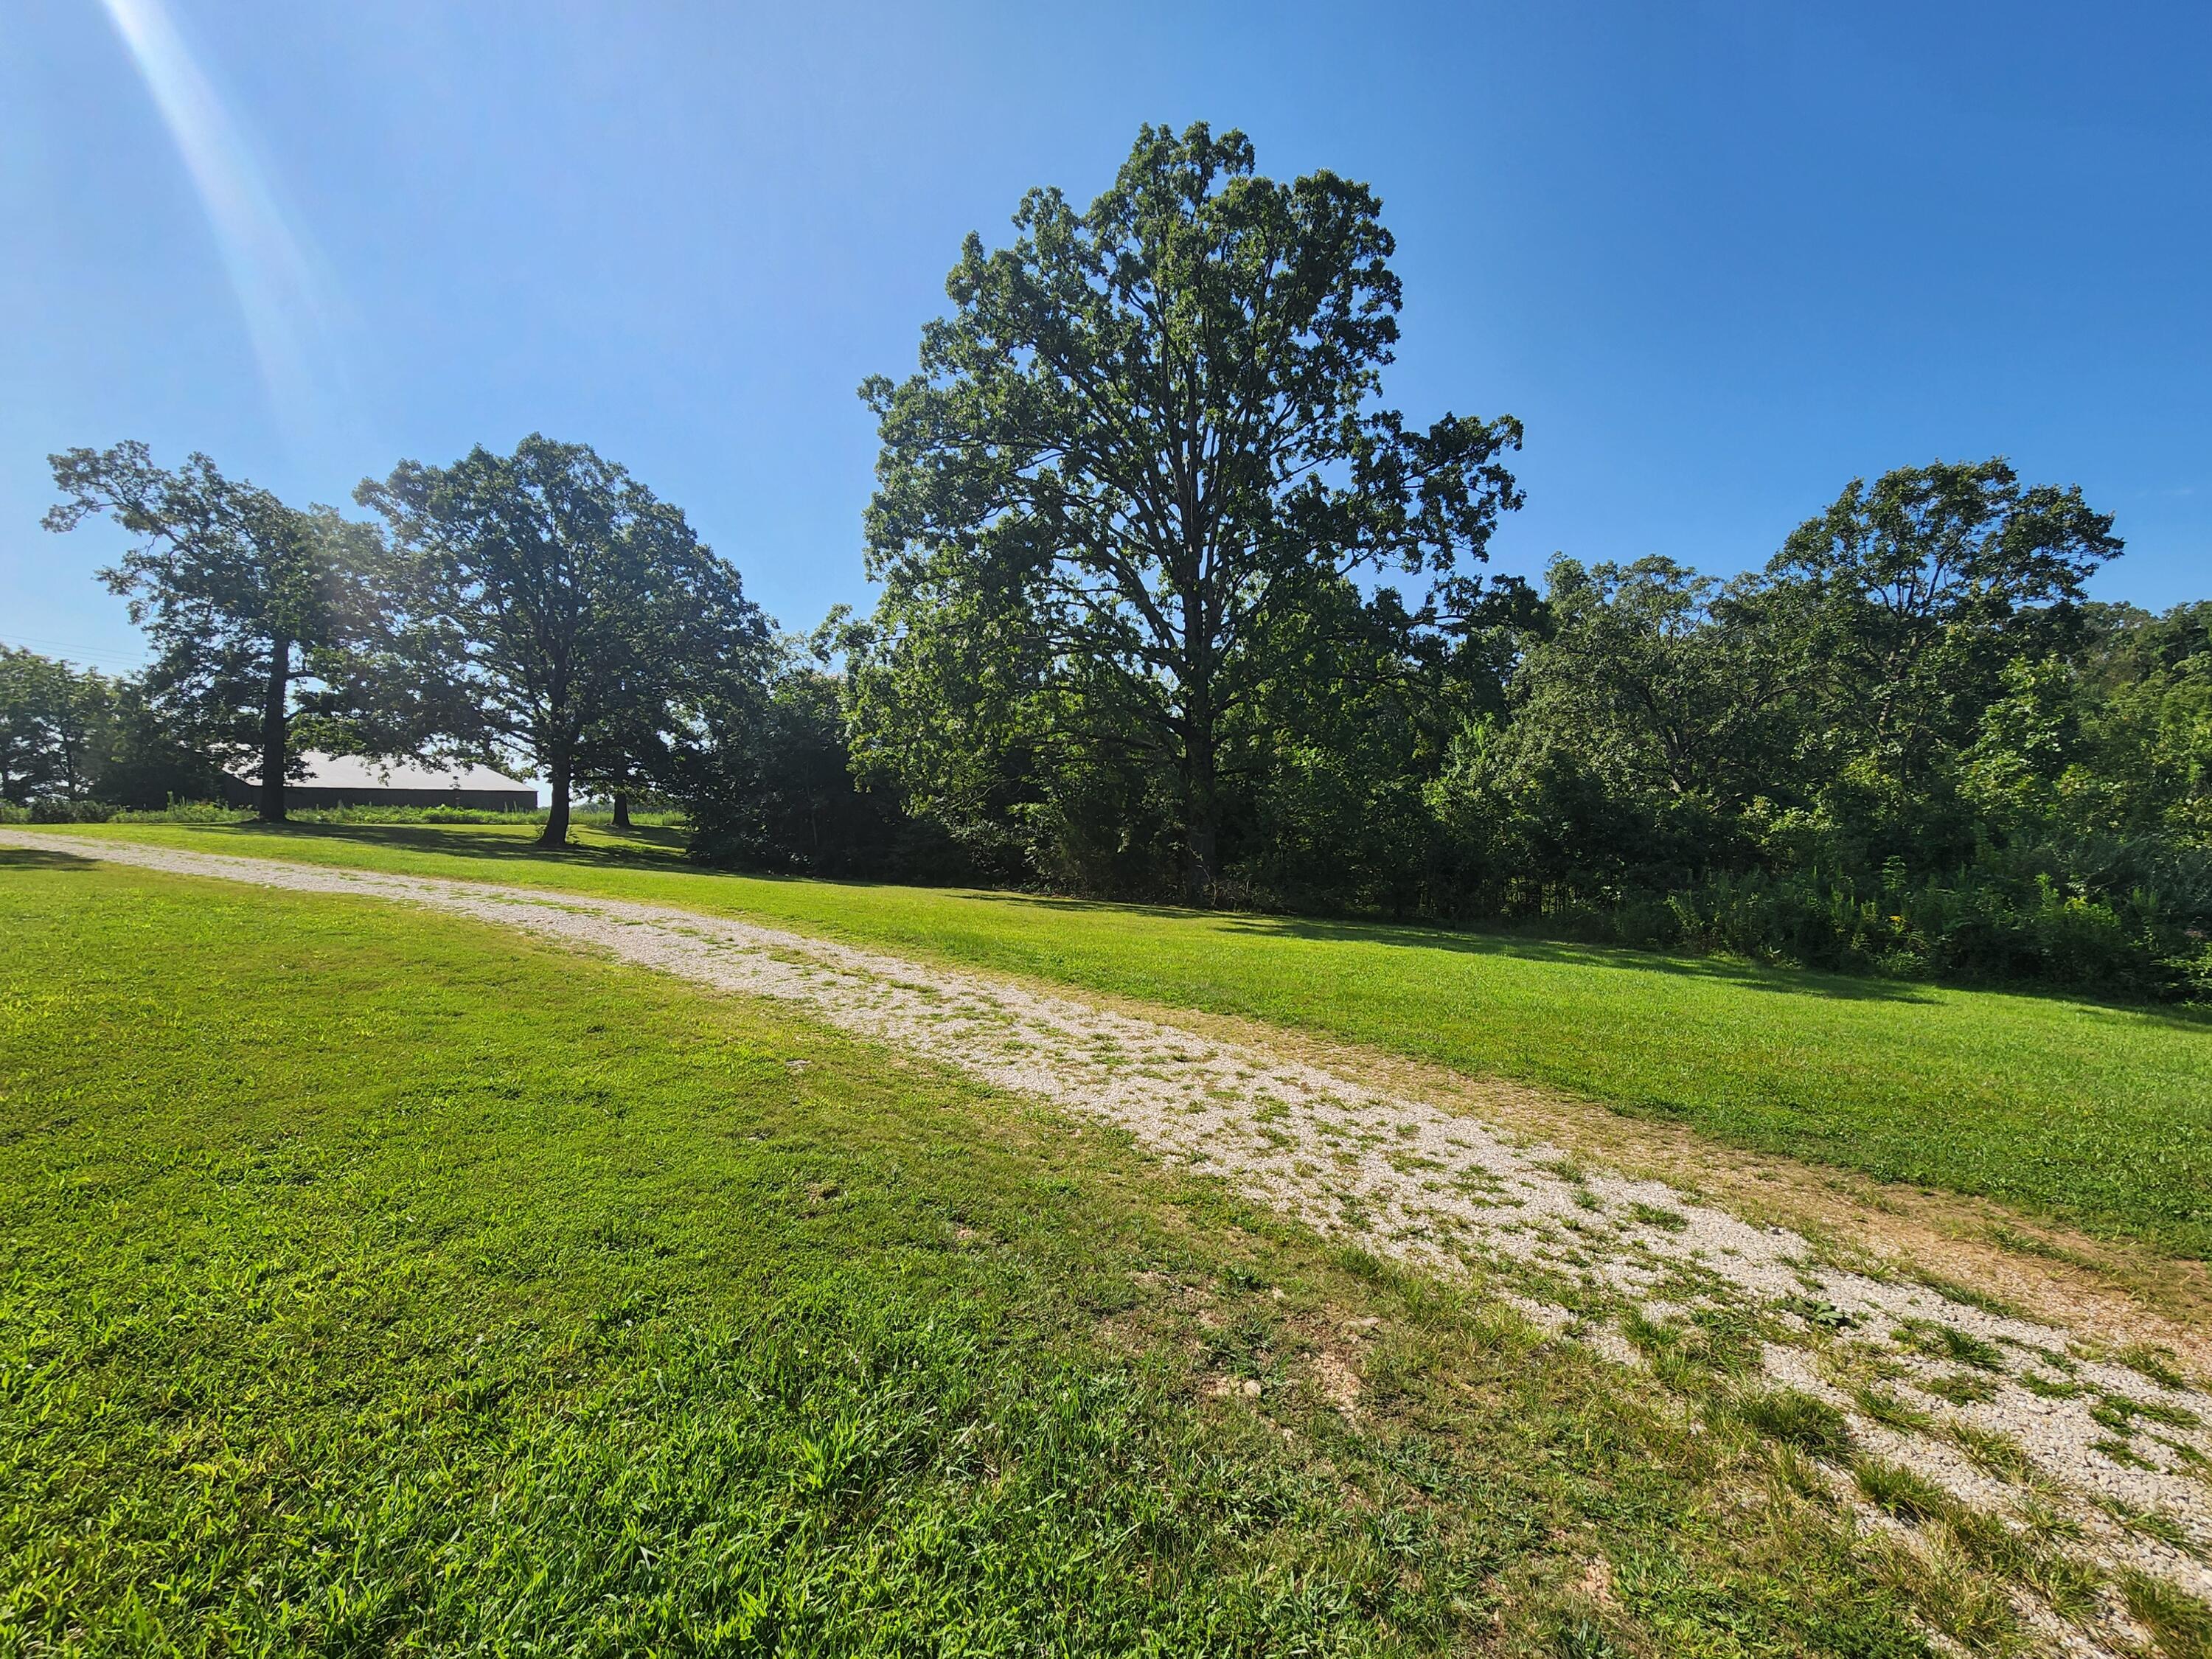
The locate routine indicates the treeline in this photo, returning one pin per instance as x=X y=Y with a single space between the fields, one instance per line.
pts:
x=74 y=738
x=1909 y=745
x=1172 y=607
x=1138 y=519
x=542 y=610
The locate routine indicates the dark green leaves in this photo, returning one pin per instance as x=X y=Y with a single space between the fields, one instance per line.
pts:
x=1145 y=437
x=574 y=616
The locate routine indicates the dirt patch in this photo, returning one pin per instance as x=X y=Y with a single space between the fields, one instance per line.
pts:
x=1338 y=1381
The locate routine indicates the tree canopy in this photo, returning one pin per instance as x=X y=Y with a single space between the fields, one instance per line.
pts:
x=260 y=613
x=1145 y=447
x=566 y=612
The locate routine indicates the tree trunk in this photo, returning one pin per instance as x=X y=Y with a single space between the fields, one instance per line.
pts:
x=273 y=698
x=1201 y=805
x=1201 y=815
x=557 y=816
x=622 y=809
x=1200 y=850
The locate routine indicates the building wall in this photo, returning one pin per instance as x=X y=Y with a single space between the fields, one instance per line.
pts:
x=238 y=792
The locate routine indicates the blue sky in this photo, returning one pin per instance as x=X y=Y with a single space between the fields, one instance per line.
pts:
x=1720 y=258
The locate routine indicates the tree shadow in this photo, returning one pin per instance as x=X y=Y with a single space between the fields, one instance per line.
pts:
x=1771 y=978
x=1791 y=982
x=2171 y=1019
x=646 y=846
x=40 y=857
x=1749 y=975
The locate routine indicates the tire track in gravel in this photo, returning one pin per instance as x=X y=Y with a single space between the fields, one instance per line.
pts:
x=1921 y=1379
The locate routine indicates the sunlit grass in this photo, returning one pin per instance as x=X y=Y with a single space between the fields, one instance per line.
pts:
x=2100 y=1115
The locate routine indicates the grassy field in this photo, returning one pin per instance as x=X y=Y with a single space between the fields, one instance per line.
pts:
x=2095 y=1114
x=376 y=1282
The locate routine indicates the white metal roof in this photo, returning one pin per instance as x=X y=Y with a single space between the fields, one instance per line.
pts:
x=353 y=772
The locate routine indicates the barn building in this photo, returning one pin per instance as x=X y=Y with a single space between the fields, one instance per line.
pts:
x=351 y=781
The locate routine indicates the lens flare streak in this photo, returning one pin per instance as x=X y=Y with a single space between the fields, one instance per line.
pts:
x=271 y=268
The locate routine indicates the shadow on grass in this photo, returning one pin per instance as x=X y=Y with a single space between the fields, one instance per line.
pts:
x=37 y=858
x=650 y=845
x=1771 y=979
x=1751 y=976
x=1794 y=981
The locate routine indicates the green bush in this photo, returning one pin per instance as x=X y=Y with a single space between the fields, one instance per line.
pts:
x=50 y=809
x=1979 y=924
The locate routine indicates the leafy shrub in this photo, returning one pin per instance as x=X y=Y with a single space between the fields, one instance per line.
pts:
x=51 y=809
x=186 y=812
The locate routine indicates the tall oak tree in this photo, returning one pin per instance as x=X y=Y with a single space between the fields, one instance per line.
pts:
x=1148 y=434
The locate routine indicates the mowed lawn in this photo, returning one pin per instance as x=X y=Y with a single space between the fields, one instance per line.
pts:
x=380 y=1282
x=2096 y=1114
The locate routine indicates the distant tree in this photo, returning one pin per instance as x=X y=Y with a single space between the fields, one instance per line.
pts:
x=574 y=616
x=253 y=607
x=76 y=714
x=1148 y=435
x=148 y=763
x=1930 y=583
x=26 y=749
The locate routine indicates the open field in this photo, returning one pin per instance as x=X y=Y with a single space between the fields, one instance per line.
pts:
x=2100 y=1116
x=390 y=1082
x=378 y=1280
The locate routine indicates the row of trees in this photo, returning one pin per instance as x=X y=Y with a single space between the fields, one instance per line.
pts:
x=1138 y=519
x=1133 y=518
x=72 y=736
x=542 y=608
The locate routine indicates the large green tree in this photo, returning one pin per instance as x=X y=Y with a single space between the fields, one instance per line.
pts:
x=257 y=612
x=1928 y=582
x=1148 y=436
x=33 y=690
x=574 y=617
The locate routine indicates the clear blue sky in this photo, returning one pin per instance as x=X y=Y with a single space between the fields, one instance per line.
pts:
x=1720 y=258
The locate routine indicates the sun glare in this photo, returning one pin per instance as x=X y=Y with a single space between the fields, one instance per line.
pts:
x=283 y=298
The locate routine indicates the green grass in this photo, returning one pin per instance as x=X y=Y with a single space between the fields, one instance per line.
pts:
x=379 y=1282
x=2094 y=1115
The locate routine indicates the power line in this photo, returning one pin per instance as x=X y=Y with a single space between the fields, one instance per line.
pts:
x=76 y=651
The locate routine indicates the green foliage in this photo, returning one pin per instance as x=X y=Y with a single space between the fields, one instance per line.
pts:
x=2182 y=1623
x=265 y=620
x=1908 y=746
x=1118 y=515
x=770 y=785
x=1796 y=1418
x=56 y=727
x=1122 y=499
x=76 y=745
x=567 y=612
x=1903 y=1494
